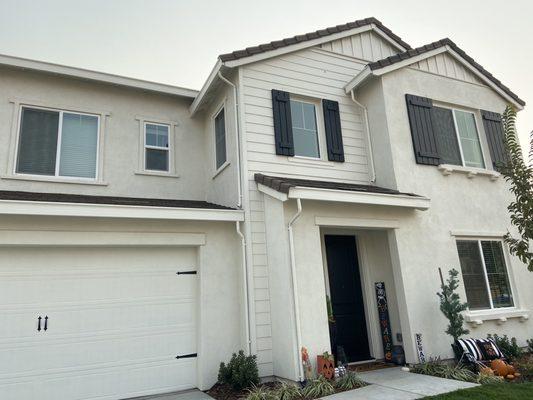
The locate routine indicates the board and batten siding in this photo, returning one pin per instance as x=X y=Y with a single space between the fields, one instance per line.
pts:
x=366 y=46
x=319 y=73
x=445 y=65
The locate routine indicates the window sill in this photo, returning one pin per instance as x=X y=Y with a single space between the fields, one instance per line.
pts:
x=477 y=318
x=471 y=172
x=155 y=173
x=221 y=168
x=54 y=179
x=310 y=161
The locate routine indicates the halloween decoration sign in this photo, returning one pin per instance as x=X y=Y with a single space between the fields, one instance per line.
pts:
x=326 y=365
x=419 y=348
x=384 y=320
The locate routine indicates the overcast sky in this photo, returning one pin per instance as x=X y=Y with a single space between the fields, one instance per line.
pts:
x=177 y=41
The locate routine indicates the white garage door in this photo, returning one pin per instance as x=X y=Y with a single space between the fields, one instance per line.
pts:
x=112 y=321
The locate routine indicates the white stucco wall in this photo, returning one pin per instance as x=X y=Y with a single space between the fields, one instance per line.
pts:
x=458 y=203
x=220 y=314
x=120 y=135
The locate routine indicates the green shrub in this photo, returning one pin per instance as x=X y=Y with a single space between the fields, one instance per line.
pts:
x=240 y=373
x=509 y=347
x=526 y=369
x=349 y=381
x=319 y=387
x=442 y=370
x=288 y=391
x=260 y=393
x=530 y=345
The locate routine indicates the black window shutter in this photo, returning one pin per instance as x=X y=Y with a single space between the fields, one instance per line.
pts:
x=281 y=108
x=422 y=130
x=492 y=123
x=332 y=123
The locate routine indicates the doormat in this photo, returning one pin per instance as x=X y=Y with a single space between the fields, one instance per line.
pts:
x=371 y=366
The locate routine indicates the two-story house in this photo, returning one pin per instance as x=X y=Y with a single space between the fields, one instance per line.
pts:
x=148 y=231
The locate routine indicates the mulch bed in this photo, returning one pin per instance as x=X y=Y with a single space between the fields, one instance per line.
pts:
x=226 y=392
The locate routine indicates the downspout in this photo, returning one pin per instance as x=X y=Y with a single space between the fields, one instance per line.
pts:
x=245 y=288
x=295 y=290
x=238 y=129
x=368 y=138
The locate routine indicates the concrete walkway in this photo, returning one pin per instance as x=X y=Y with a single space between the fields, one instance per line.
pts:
x=393 y=383
x=385 y=384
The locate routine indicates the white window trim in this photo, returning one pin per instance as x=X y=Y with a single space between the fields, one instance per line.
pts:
x=472 y=171
x=12 y=173
x=320 y=131
x=141 y=168
x=225 y=164
x=510 y=276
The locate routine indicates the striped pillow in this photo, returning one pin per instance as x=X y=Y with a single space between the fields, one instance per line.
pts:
x=498 y=353
x=470 y=349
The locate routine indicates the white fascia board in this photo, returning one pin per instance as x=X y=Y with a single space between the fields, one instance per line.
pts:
x=15 y=207
x=492 y=85
x=388 y=38
x=201 y=94
x=345 y=196
x=272 y=193
x=297 y=46
x=74 y=72
x=361 y=77
x=366 y=73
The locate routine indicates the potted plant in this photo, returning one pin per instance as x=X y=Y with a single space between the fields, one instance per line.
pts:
x=452 y=307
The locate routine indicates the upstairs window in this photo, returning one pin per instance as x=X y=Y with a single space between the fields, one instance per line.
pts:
x=57 y=143
x=443 y=135
x=220 y=139
x=156 y=147
x=485 y=274
x=304 y=129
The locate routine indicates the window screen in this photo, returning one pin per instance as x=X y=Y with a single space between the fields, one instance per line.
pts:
x=304 y=129
x=220 y=138
x=446 y=136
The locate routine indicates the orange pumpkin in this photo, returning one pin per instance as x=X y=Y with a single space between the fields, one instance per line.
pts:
x=499 y=367
x=325 y=366
x=486 y=371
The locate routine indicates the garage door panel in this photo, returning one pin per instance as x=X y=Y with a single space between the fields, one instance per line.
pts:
x=117 y=319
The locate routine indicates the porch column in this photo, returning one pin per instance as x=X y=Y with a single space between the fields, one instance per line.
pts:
x=401 y=277
x=285 y=354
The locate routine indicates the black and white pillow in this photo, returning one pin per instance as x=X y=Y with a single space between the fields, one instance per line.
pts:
x=490 y=349
x=470 y=349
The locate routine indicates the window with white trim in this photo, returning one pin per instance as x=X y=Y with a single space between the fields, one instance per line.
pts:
x=457 y=137
x=220 y=138
x=305 y=129
x=485 y=275
x=57 y=143
x=156 y=147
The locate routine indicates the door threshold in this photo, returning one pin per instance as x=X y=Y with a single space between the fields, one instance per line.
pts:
x=370 y=360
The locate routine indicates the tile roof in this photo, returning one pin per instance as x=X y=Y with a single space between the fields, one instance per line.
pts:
x=435 y=45
x=283 y=185
x=262 y=48
x=123 y=201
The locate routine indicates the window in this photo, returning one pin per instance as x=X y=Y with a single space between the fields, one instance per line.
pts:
x=220 y=139
x=156 y=147
x=485 y=274
x=57 y=143
x=457 y=137
x=304 y=129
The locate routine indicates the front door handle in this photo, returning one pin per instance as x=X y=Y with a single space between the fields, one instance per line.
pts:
x=39 y=324
x=46 y=323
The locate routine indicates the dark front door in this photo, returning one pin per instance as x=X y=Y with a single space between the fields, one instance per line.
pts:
x=349 y=331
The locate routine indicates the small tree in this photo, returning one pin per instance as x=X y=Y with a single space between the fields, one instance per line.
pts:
x=451 y=305
x=520 y=177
